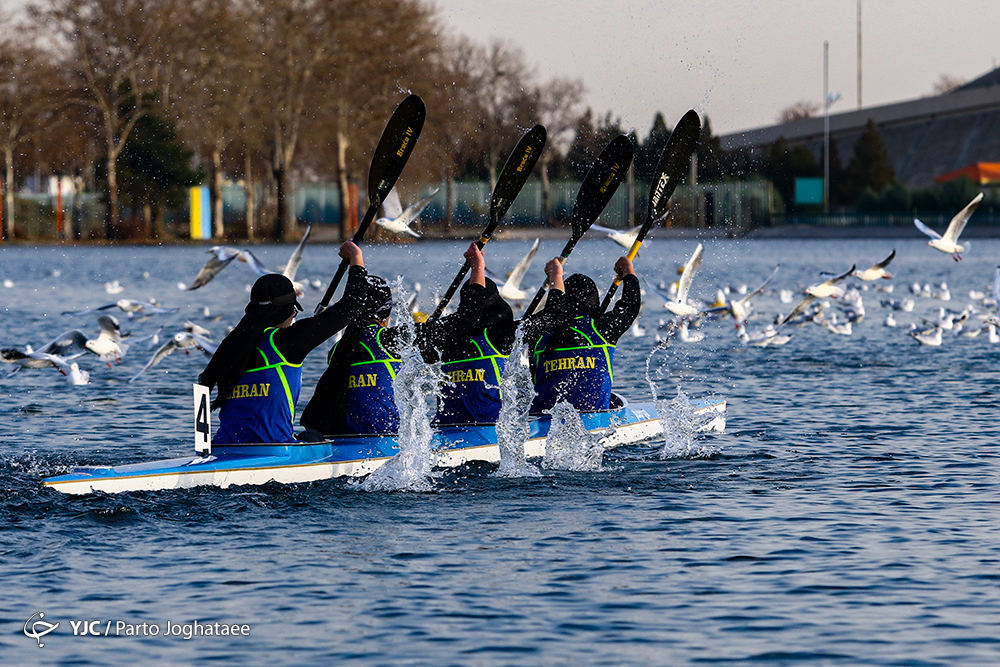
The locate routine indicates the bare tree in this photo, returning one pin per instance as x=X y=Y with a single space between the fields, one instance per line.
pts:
x=455 y=112
x=798 y=111
x=946 y=83
x=215 y=86
x=559 y=103
x=502 y=83
x=29 y=93
x=117 y=50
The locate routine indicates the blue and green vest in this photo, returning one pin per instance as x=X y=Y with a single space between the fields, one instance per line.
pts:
x=580 y=373
x=261 y=405
x=473 y=393
x=371 y=407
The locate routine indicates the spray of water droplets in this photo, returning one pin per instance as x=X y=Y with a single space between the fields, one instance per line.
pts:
x=518 y=392
x=570 y=446
x=414 y=390
x=678 y=419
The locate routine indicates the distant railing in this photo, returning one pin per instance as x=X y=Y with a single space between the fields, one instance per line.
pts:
x=934 y=219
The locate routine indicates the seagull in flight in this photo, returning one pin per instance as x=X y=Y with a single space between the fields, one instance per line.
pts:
x=740 y=308
x=511 y=288
x=397 y=220
x=66 y=346
x=680 y=306
x=223 y=256
x=823 y=290
x=949 y=242
x=126 y=306
x=623 y=237
x=183 y=340
x=876 y=271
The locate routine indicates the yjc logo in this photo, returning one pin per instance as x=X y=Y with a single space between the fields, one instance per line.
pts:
x=35 y=632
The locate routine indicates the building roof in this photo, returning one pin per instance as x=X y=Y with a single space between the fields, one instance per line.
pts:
x=925 y=137
x=982 y=173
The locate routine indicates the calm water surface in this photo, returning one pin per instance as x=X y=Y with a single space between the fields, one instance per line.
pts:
x=847 y=516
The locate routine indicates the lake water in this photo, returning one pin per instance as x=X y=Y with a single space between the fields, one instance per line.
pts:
x=847 y=516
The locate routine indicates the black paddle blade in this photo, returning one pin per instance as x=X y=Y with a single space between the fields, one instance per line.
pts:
x=601 y=183
x=673 y=164
x=514 y=174
x=394 y=148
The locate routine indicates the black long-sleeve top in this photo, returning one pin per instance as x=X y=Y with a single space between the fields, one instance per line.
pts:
x=303 y=336
x=611 y=325
x=326 y=410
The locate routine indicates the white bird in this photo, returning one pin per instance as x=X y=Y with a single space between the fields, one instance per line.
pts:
x=876 y=271
x=942 y=294
x=994 y=335
x=949 y=242
x=687 y=336
x=835 y=327
x=127 y=306
x=890 y=321
x=511 y=288
x=184 y=340
x=397 y=220
x=931 y=337
x=905 y=305
x=637 y=331
x=740 y=309
x=786 y=296
x=113 y=287
x=108 y=345
x=680 y=305
x=767 y=337
x=221 y=257
x=70 y=369
x=623 y=237
x=825 y=289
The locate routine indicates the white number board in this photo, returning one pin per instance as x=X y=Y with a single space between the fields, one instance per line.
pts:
x=202 y=419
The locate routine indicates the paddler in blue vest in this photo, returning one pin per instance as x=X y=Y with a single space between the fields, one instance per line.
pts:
x=355 y=394
x=475 y=366
x=258 y=366
x=574 y=362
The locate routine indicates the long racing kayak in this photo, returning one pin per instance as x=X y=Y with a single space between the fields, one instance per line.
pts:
x=359 y=455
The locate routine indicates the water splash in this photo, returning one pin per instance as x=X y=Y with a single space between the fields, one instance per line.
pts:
x=678 y=419
x=570 y=446
x=680 y=428
x=518 y=392
x=415 y=386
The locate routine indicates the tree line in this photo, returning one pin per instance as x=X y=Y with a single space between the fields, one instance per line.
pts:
x=140 y=99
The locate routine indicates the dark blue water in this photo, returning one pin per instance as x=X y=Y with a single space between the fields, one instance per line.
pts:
x=847 y=516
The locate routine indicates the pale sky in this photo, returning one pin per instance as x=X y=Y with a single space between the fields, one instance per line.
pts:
x=738 y=61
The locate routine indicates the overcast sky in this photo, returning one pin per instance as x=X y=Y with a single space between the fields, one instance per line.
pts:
x=738 y=61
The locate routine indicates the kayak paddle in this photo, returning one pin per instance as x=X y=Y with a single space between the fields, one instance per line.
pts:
x=595 y=192
x=512 y=178
x=674 y=161
x=391 y=153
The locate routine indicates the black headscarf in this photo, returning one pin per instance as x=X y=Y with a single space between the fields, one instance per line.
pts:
x=272 y=301
x=582 y=298
x=325 y=410
x=495 y=309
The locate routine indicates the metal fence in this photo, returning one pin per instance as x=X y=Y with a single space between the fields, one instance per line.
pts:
x=731 y=208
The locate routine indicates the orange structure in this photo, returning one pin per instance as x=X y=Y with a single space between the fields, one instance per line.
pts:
x=983 y=173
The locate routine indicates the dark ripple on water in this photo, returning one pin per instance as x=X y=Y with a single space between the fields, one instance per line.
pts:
x=846 y=517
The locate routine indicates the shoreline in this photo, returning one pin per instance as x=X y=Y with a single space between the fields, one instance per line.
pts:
x=329 y=234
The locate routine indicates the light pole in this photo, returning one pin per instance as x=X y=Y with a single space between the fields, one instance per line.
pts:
x=828 y=99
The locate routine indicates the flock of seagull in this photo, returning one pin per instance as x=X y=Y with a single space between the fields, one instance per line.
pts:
x=65 y=352
x=815 y=308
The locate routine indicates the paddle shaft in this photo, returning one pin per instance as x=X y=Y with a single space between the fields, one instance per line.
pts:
x=597 y=189
x=513 y=176
x=344 y=264
x=633 y=251
x=391 y=154
x=673 y=162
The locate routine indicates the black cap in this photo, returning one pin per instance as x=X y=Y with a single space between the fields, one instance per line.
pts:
x=274 y=289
